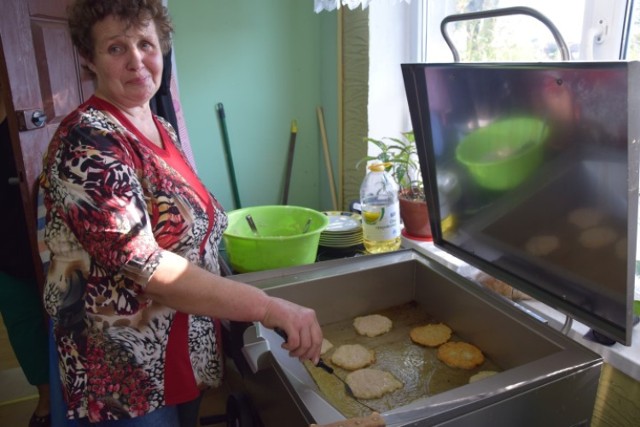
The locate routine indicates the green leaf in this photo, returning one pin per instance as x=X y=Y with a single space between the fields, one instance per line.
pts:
x=378 y=143
x=400 y=153
x=636 y=308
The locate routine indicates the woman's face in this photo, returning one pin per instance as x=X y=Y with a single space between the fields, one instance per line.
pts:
x=127 y=62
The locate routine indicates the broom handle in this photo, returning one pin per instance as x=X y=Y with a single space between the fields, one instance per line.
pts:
x=227 y=152
x=327 y=158
x=292 y=145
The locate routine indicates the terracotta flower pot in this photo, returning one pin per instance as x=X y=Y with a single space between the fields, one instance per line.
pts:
x=415 y=217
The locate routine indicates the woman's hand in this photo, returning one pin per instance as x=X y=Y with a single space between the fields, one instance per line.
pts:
x=185 y=287
x=304 y=336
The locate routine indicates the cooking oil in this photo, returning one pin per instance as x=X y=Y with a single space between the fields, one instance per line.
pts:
x=379 y=246
x=380 y=211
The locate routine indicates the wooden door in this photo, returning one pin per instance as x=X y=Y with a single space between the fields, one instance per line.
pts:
x=41 y=70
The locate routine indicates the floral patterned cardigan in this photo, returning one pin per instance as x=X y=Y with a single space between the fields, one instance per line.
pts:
x=114 y=201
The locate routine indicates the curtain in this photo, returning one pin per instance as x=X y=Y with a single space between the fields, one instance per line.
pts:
x=354 y=98
x=169 y=99
x=320 y=5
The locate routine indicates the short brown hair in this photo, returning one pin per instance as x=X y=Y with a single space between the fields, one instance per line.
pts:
x=84 y=14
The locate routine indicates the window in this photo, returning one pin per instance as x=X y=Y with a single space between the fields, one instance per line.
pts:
x=591 y=29
x=508 y=38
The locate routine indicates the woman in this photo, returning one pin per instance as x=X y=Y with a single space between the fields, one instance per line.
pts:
x=133 y=282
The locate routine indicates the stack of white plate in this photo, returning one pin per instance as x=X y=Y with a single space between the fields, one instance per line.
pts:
x=344 y=230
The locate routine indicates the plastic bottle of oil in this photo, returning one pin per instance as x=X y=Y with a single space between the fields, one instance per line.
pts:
x=380 y=210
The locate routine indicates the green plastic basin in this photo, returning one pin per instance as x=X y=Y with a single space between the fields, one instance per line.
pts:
x=280 y=242
x=503 y=154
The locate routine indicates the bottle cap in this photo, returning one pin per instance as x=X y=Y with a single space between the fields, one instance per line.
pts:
x=379 y=167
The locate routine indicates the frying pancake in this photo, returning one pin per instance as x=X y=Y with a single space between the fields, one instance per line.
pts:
x=353 y=356
x=460 y=355
x=500 y=287
x=481 y=375
x=372 y=325
x=326 y=346
x=416 y=367
x=431 y=335
x=372 y=383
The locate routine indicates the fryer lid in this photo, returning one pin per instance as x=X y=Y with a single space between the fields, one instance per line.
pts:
x=590 y=159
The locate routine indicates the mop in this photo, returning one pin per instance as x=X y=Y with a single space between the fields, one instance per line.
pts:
x=227 y=152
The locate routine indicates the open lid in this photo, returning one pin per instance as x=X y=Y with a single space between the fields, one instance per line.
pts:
x=531 y=174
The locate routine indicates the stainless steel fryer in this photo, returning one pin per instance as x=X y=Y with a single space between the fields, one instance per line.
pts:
x=545 y=379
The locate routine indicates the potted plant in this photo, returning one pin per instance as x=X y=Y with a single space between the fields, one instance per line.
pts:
x=401 y=155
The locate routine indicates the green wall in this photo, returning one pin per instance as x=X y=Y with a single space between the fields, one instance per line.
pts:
x=268 y=63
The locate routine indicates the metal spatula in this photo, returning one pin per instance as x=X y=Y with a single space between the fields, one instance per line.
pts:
x=347 y=388
x=328 y=369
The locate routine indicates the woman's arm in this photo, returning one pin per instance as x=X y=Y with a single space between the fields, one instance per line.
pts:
x=185 y=287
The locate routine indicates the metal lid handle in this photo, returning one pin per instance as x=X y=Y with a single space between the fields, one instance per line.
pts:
x=517 y=10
